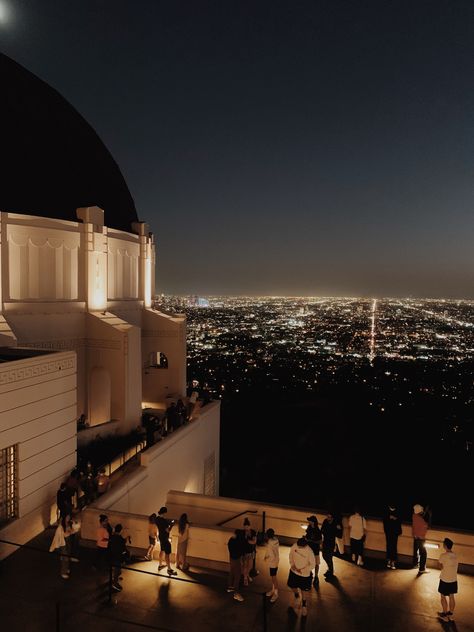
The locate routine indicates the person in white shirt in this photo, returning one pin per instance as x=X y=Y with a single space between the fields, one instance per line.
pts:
x=357 y=530
x=448 y=584
x=302 y=562
x=272 y=557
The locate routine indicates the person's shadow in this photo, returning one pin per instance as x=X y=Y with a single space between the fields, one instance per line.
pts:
x=163 y=594
x=345 y=599
x=292 y=619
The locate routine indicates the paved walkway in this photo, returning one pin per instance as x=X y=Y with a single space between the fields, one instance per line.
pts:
x=33 y=597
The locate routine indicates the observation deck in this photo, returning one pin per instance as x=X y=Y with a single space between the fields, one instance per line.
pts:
x=33 y=597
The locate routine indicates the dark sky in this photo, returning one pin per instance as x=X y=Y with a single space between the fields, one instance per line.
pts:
x=321 y=148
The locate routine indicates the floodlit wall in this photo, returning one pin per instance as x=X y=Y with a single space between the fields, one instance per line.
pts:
x=38 y=414
x=57 y=278
x=167 y=334
x=188 y=459
x=114 y=351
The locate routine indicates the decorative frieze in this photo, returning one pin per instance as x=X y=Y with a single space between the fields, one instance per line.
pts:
x=36 y=370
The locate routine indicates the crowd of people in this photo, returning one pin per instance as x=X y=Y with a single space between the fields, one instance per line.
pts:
x=112 y=550
x=158 y=425
x=304 y=554
x=80 y=489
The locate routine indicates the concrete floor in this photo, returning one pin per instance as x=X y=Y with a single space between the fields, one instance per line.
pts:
x=33 y=597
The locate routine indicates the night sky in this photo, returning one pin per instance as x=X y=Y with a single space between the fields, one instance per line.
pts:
x=313 y=148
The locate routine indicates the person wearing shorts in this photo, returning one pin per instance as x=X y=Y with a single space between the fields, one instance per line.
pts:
x=300 y=577
x=272 y=557
x=448 y=580
x=164 y=527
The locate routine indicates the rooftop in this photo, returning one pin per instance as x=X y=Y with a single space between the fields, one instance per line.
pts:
x=368 y=599
x=9 y=354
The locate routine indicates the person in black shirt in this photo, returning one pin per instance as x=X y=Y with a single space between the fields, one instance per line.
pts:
x=63 y=501
x=314 y=539
x=330 y=531
x=236 y=546
x=117 y=552
x=392 y=527
x=164 y=527
x=249 y=551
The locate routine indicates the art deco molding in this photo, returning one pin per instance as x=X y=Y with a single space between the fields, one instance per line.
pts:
x=36 y=370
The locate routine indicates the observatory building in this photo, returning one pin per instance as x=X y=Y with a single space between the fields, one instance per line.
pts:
x=79 y=338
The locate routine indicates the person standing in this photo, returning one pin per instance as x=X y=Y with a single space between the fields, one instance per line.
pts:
x=272 y=557
x=183 y=537
x=235 y=546
x=164 y=527
x=59 y=543
x=314 y=539
x=448 y=580
x=117 y=552
x=419 y=529
x=192 y=401
x=330 y=531
x=302 y=562
x=63 y=501
x=104 y=532
x=339 y=548
x=357 y=531
x=392 y=527
x=152 y=535
x=249 y=551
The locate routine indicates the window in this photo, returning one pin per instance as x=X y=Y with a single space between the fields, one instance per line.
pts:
x=157 y=360
x=8 y=484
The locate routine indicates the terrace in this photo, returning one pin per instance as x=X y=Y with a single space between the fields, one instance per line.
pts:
x=34 y=597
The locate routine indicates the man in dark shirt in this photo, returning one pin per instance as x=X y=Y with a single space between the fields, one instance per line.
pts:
x=236 y=546
x=63 y=501
x=164 y=527
x=117 y=553
x=330 y=531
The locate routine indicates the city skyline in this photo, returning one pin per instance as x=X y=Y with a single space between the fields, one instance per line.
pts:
x=278 y=148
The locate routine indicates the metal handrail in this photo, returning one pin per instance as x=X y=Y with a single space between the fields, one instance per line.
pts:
x=223 y=522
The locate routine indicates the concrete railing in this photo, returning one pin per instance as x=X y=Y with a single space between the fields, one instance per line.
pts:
x=288 y=523
x=207 y=545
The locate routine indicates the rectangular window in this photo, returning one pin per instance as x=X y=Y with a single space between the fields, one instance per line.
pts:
x=8 y=484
